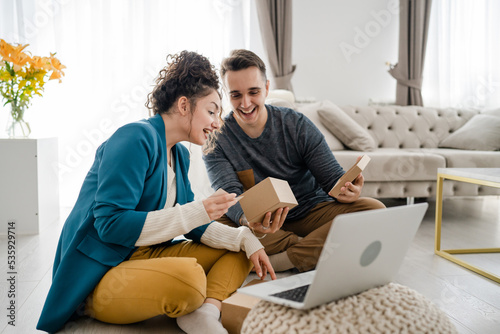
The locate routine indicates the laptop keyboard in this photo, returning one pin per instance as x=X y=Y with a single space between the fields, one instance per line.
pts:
x=295 y=294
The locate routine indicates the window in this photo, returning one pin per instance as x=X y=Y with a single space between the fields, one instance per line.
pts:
x=462 y=67
x=113 y=50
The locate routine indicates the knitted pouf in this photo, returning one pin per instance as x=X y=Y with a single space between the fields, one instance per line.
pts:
x=392 y=308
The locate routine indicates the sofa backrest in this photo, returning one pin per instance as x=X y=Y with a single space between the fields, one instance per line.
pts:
x=408 y=126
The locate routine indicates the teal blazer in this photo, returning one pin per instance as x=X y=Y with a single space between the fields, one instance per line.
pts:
x=127 y=180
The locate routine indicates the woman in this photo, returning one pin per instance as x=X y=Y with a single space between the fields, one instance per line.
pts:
x=116 y=260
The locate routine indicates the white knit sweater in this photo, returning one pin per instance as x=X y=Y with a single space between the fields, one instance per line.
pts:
x=175 y=220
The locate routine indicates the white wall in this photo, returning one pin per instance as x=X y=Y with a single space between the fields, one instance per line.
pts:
x=341 y=47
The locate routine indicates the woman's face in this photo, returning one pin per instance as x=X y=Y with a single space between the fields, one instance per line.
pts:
x=205 y=118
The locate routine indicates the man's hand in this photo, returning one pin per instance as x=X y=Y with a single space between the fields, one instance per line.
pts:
x=269 y=225
x=351 y=191
x=218 y=203
x=262 y=265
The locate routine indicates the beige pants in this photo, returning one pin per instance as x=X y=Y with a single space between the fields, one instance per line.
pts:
x=172 y=280
x=313 y=229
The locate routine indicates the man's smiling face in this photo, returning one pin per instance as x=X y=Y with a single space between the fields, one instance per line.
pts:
x=248 y=90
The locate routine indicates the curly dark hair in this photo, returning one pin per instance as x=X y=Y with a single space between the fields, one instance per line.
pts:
x=187 y=74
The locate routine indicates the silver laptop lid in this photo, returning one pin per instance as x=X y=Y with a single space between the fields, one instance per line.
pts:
x=363 y=250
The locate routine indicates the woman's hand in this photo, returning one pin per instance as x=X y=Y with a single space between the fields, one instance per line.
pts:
x=218 y=203
x=262 y=265
x=269 y=225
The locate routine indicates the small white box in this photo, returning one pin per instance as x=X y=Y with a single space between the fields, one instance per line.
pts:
x=29 y=184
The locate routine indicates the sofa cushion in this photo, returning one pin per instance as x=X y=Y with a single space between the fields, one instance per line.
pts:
x=467 y=159
x=345 y=128
x=408 y=126
x=310 y=110
x=400 y=189
x=492 y=112
x=482 y=133
x=390 y=164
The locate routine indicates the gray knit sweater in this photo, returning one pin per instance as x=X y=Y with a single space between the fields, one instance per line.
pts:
x=289 y=148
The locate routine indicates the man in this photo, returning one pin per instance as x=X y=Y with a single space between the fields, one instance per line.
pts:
x=259 y=141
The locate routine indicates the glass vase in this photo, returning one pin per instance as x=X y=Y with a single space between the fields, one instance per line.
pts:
x=16 y=126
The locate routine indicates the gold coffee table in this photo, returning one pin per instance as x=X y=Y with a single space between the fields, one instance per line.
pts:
x=482 y=176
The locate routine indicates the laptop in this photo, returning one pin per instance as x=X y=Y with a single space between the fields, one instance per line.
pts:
x=363 y=250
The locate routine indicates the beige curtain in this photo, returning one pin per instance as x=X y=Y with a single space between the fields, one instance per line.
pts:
x=275 y=19
x=414 y=18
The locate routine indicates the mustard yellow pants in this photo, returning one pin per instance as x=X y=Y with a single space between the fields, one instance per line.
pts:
x=170 y=280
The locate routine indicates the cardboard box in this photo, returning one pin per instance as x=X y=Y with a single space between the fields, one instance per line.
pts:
x=267 y=196
x=235 y=309
x=350 y=175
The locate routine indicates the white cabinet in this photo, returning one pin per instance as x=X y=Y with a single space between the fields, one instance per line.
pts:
x=29 y=184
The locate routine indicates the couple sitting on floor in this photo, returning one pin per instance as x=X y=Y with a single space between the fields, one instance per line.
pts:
x=117 y=260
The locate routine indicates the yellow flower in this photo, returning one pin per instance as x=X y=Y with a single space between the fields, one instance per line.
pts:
x=19 y=48
x=40 y=62
x=4 y=46
x=39 y=75
x=19 y=60
x=13 y=54
x=22 y=84
x=5 y=50
x=56 y=64
x=56 y=68
x=5 y=75
x=23 y=76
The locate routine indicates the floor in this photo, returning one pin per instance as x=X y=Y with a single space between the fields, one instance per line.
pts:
x=471 y=301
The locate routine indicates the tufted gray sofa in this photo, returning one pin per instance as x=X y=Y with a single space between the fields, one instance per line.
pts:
x=405 y=152
x=407 y=156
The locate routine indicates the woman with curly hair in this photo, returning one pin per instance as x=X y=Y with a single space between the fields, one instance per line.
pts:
x=118 y=259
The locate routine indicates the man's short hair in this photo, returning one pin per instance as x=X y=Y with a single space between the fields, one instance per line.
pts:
x=241 y=59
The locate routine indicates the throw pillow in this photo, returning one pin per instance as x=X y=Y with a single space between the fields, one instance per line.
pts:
x=481 y=132
x=310 y=110
x=345 y=128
